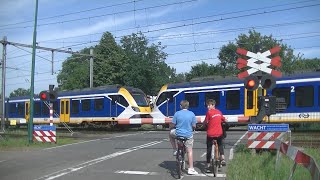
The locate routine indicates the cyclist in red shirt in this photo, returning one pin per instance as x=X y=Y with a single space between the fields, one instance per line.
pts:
x=212 y=122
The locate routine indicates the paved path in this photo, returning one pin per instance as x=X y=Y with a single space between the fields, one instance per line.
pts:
x=127 y=155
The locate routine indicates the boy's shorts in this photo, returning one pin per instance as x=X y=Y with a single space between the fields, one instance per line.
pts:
x=188 y=143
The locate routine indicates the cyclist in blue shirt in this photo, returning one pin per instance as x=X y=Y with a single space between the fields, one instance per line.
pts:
x=183 y=123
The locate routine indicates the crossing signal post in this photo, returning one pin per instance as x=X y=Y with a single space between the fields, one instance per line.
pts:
x=51 y=96
x=260 y=76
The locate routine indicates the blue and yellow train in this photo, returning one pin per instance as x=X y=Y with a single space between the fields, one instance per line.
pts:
x=101 y=106
x=301 y=94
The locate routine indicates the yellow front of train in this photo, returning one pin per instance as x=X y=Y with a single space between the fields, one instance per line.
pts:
x=136 y=99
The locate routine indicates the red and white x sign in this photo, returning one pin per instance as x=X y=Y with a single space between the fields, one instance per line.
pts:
x=276 y=61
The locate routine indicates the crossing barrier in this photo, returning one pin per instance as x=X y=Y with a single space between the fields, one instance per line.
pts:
x=299 y=157
x=44 y=133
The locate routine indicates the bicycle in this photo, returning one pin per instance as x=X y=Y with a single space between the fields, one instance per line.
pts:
x=215 y=158
x=180 y=161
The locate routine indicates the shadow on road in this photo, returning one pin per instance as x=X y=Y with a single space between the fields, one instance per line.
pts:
x=170 y=167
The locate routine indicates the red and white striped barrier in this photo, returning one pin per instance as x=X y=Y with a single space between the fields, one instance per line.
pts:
x=167 y=120
x=299 y=157
x=45 y=133
x=51 y=114
x=263 y=140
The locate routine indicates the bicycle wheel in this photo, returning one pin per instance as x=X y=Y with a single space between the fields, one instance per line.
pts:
x=179 y=164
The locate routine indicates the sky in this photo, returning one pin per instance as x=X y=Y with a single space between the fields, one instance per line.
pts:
x=193 y=31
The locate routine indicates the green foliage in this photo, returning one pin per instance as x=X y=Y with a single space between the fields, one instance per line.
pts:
x=147 y=71
x=262 y=166
x=131 y=63
x=254 y=42
x=111 y=64
x=75 y=72
x=20 y=92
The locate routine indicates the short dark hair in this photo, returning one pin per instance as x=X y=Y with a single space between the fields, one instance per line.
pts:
x=211 y=102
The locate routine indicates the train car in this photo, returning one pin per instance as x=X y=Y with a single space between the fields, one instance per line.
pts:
x=101 y=106
x=301 y=94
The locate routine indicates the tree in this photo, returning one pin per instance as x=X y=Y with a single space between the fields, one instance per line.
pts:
x=255 y=42
x=111 y=65
x=20 y=92
x=147 y=68
x=75 y=72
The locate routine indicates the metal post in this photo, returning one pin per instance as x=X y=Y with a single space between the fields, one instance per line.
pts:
x=30 y=123
x=3 y=93
x=51 y=114
x=91 y=68
x=52 y=58
x=292 y=170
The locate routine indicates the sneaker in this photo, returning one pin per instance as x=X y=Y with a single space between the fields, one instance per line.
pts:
x=208 y=170
x=175 y=152
x=223 y=162
x=191 y=171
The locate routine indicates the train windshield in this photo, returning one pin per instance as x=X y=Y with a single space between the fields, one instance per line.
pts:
x=140 y=98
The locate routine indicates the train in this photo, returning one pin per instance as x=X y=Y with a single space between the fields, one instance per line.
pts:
x=97 y=107
x=301 y=93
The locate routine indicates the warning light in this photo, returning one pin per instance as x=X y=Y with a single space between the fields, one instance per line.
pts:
x=268 y=82
x=251 y=83
x=44 y=95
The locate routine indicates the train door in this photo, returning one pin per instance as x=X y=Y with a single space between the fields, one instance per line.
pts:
x=251 y=101
x=118 y=104
x=27 y=110
x=65 y=110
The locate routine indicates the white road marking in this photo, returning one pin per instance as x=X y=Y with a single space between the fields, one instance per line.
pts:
x=94 y=161
x=137 y=172
x=232 y=149
x=203 y=155
x=2 y=161
x=91 y=141
x=209 y=174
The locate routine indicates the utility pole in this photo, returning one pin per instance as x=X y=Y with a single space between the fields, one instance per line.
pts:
x=91 y=68
x=3 y=84
x=30 y=123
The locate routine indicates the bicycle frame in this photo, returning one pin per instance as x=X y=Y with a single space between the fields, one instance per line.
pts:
x=215 y=158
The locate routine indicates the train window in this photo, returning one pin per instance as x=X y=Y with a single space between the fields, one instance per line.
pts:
x=304 y=96
x=37 y=108
x=123 y=101
x=12 y=108
x=75 y=106
x=55 y=107
x=282 y=93
x=20 y=108
x=67 y=107
x=213 y=95
x=164 y=96
x=319 y=95
x=193 y=99
x=98 y=104
x=233 y=100
x=62 y=107
x=140 y=98
x=85 y=105
x=249 y=99
x=45 y=109
x=27 y=109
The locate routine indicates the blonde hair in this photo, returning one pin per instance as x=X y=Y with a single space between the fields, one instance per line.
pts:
x=184 y=104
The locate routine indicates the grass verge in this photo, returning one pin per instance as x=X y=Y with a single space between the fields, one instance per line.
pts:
x=246 y=165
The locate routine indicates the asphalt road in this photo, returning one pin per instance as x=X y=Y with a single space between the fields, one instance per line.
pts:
x=127 y=155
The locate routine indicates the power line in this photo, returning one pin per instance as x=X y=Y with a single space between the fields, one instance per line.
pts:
x=97 y=16
x=72 y=13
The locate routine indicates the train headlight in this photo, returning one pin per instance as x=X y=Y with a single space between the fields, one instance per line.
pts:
x=136 y=109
